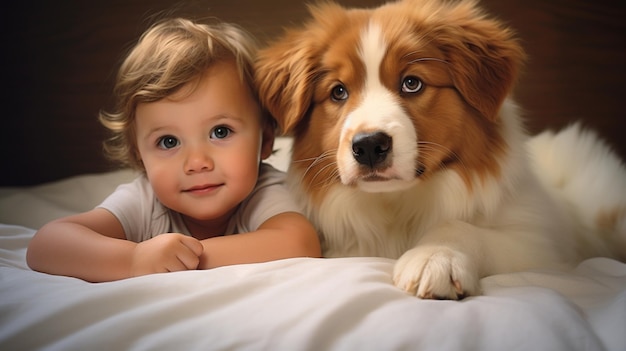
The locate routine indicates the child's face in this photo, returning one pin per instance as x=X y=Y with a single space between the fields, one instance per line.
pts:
x=202 y=152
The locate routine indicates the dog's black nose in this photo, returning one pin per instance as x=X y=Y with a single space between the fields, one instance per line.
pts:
x=371 y=149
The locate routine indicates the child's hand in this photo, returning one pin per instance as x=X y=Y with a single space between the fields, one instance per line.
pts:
x=169 y=252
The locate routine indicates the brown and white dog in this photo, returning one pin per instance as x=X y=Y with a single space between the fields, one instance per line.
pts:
x=407 y=145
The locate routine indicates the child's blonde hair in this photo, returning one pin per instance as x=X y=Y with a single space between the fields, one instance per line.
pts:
x=169 y=55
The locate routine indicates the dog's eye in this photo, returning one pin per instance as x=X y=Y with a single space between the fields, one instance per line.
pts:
x=412 y=84
x=339 y=93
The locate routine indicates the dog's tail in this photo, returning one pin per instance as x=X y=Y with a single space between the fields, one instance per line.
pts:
x=584 y=174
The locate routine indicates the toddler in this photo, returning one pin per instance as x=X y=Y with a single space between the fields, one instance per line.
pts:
x=187 y=116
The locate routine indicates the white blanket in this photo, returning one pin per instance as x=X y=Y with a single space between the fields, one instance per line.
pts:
x=295 y=304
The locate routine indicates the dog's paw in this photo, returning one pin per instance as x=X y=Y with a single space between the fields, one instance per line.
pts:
x=436 y=272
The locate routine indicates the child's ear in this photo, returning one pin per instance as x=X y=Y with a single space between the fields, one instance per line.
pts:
x=267 y=144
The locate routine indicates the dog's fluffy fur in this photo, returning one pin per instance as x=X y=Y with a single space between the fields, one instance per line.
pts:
x=407 y=145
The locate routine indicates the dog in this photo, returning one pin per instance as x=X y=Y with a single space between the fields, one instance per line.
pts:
x=407 y=144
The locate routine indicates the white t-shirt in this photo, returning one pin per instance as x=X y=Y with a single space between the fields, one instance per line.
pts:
x=143 y=216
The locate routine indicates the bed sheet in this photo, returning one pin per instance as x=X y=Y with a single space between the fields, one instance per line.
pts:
x=294 y=304
x=305 y=304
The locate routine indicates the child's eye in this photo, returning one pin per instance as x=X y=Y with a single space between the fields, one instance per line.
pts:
x=220 y=132
x=168 y=142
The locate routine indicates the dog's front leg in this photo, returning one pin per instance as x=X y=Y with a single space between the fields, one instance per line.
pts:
x=445 y=264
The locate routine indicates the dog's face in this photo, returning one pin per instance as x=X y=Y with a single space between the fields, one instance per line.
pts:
x=383 y=99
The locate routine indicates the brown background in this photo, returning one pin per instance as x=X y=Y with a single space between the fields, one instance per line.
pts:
x=60 y=58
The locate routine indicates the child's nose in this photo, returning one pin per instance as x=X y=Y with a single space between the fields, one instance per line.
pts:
x=198 y=160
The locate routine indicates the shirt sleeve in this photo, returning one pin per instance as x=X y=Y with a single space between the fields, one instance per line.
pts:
x=135 y=206
x=269 y=198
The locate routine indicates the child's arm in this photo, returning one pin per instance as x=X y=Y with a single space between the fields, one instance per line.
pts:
x=92 y=246
x=285 y=235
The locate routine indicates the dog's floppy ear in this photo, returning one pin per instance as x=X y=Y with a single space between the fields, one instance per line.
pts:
x=484 y=57
x=284 y=74
x=285 y=71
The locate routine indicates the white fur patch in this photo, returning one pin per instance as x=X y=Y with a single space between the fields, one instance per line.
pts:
x=575 y=166
x=378 y=111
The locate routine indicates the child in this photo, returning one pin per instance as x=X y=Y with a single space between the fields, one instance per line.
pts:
x=187 y=117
